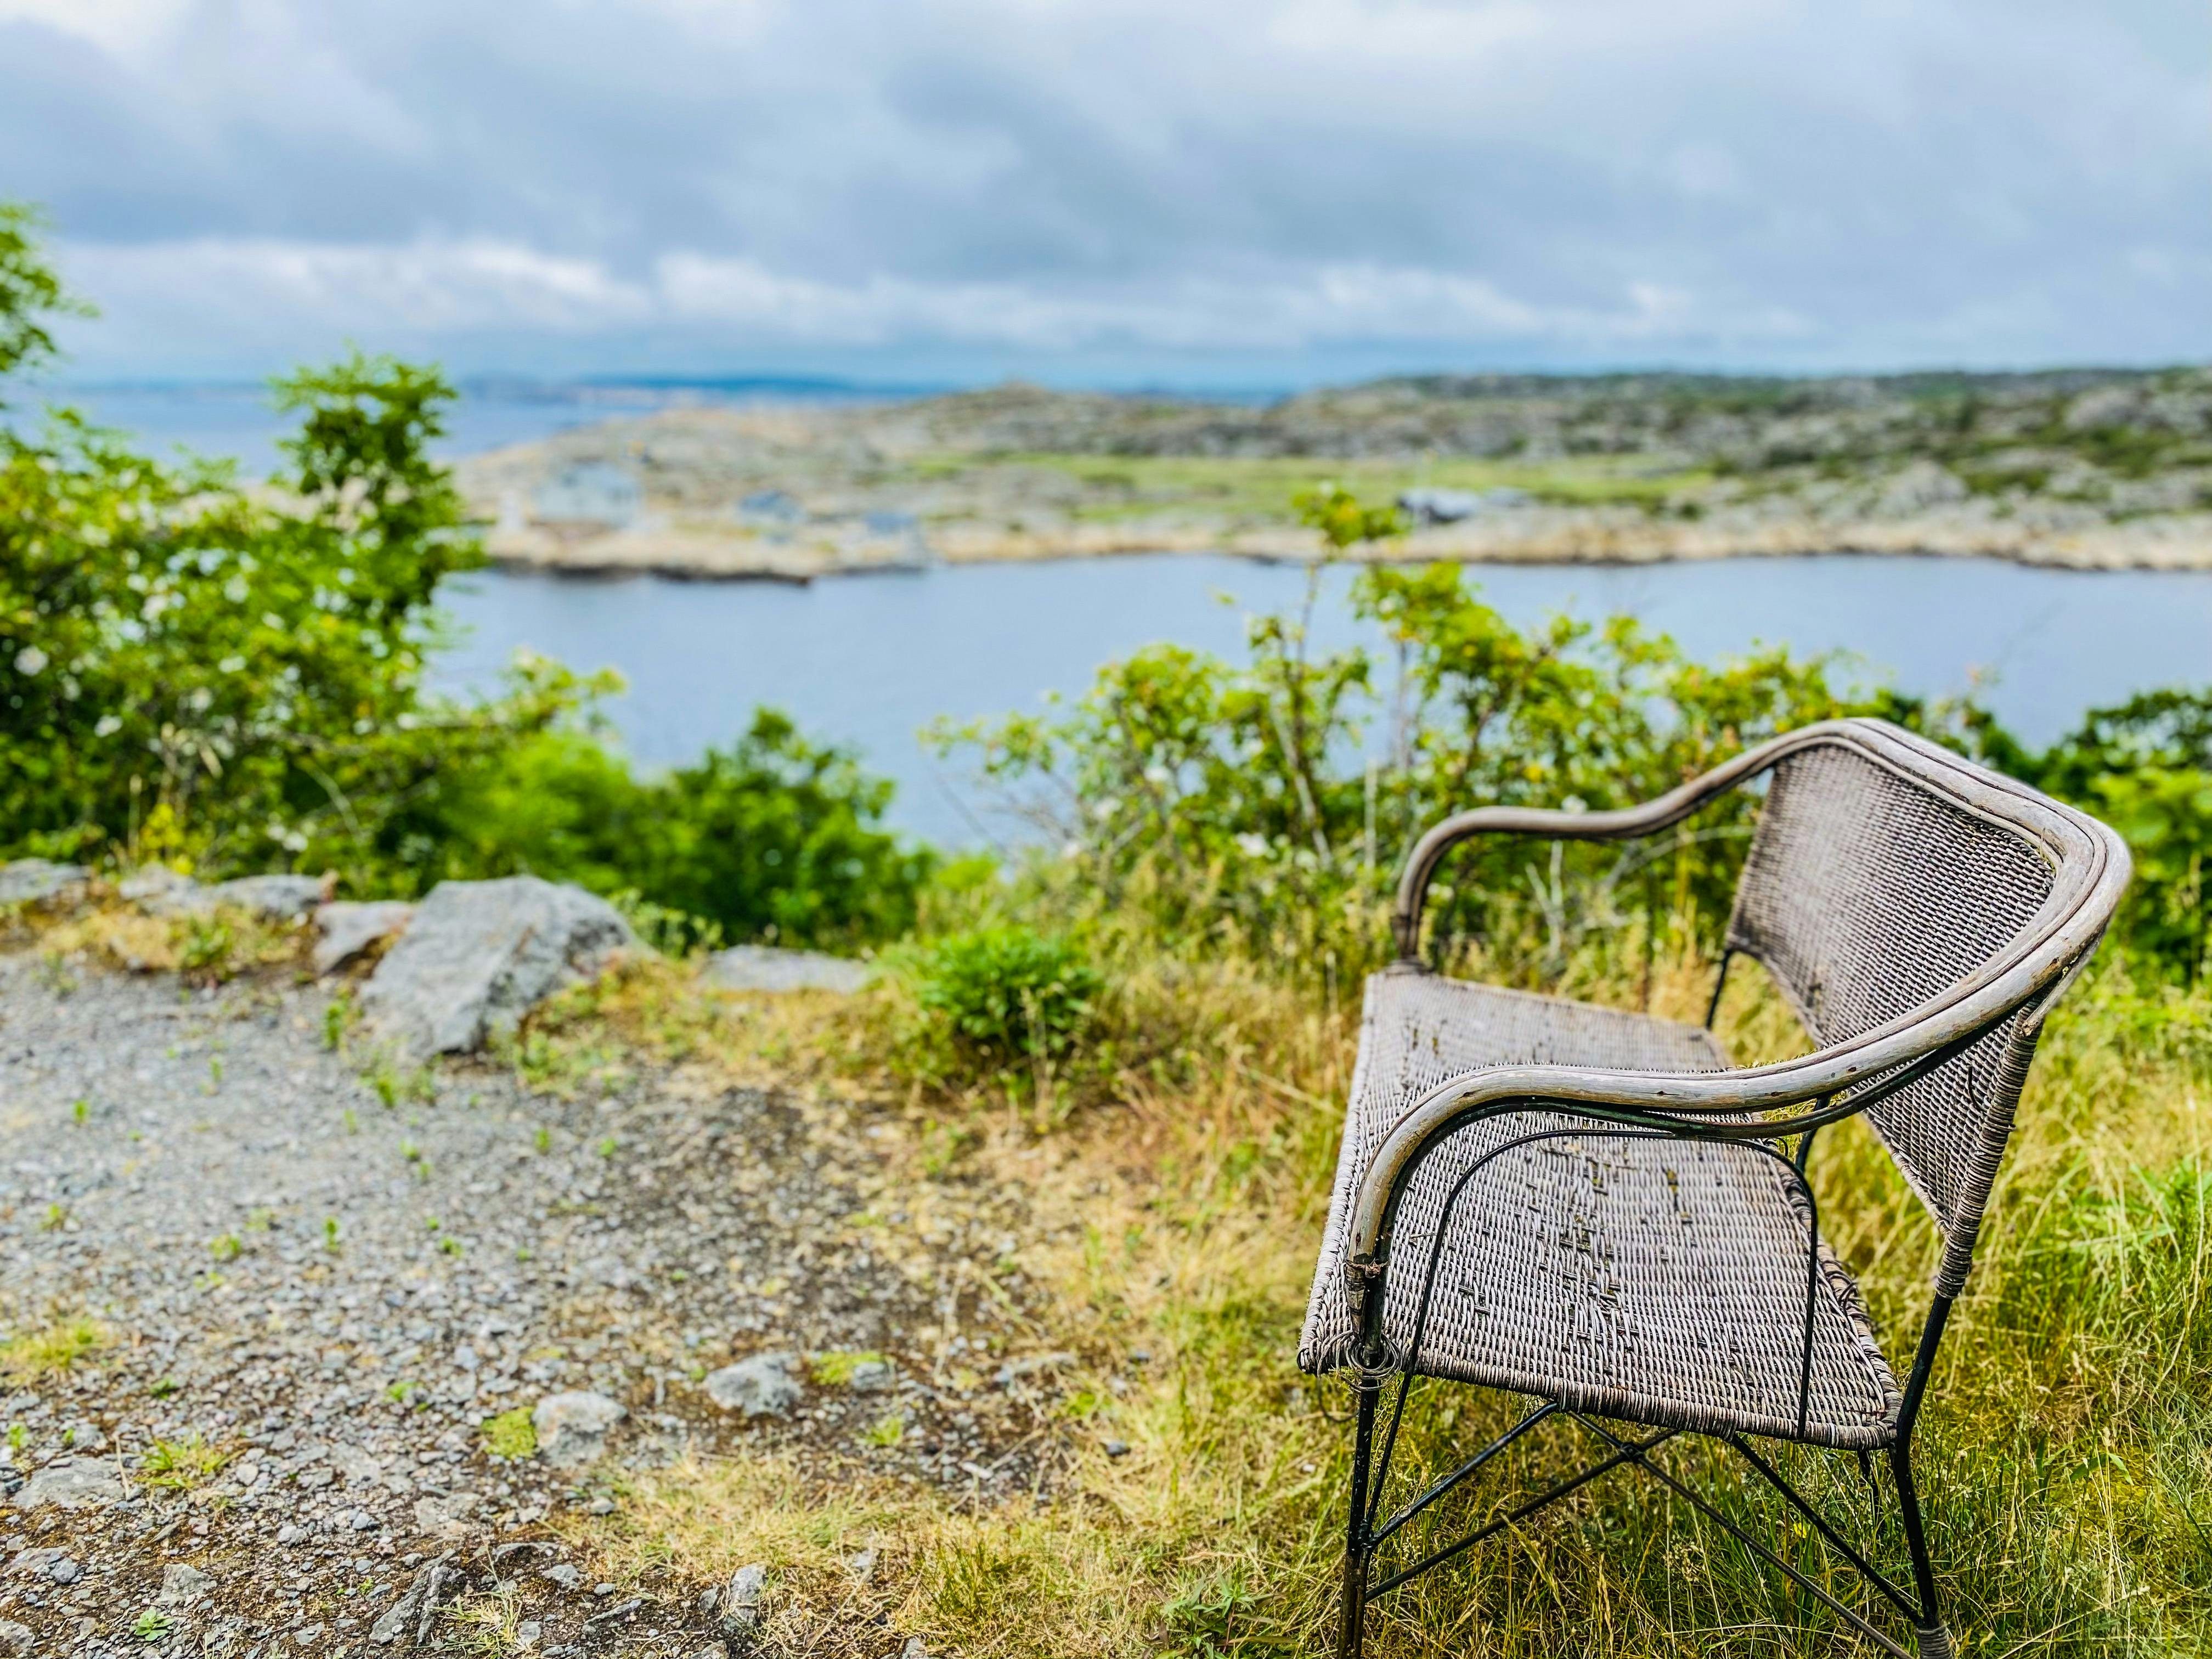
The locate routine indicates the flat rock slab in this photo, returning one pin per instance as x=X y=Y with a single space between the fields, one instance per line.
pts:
x=74 y=1483
x=480 y=955
x=40 y=881
x=161 y=891
x=280 y=898
x=768 y=967
x=182 y=1584
x=572 y=1428
x=764 y=1385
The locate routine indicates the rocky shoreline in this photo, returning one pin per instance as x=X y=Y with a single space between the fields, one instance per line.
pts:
x=2086 y=473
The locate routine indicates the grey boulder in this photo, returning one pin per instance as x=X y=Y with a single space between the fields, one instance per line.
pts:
x=279 y=898
x=416 y=1612
x=765 y=1385
x=349 y=929
x=182 y=1584
x=161 y=891
x=767 y=968
x=42 y=881
x=480 y=955
x=741 y=1598
x=572 y=1428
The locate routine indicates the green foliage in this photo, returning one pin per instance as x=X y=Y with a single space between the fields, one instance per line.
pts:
x=30 y=291
x=362 y=462
x=231 y=681
x=834 y=1370
x=1006 y=995
x=1221 y=1615
x=153 y=1626
x=1270 y=800
x=510 y=1434
x=771 y=836
x=242 y=680
x=184 y=1463
x=1343 y=520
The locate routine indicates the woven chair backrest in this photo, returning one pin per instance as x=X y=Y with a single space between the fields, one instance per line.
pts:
x=1866 y=892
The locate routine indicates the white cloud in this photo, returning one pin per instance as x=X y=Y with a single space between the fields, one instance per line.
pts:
x=1578 y=180
x=437 y=292
x=125 y=27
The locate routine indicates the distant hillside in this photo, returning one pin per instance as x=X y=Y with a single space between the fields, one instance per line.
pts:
x=2087 y=467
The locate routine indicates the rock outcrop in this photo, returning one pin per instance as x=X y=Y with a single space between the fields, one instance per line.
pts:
x=767 y=968
x=348 y=929
x=42 y=881
x=479 y=954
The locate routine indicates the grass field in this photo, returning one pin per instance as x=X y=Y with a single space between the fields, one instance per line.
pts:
x=2066 y=1455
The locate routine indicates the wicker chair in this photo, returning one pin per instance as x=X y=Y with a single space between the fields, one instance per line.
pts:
x=1591 y=1208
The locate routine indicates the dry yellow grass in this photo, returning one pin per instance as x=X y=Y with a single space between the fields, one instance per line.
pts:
x=1176 y=1211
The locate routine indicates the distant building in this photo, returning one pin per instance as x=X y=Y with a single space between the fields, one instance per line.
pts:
x=592 y=492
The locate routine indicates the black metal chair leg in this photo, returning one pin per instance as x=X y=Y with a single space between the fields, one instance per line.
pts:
x=1933 y=1636
x=1357 y=1540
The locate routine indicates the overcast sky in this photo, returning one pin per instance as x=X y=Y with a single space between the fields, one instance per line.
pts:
x=1196 y=191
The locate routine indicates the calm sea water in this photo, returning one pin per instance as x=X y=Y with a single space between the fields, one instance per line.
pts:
x=870 y=660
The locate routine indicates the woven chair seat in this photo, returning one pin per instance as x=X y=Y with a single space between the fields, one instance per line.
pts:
x=1659 y=1280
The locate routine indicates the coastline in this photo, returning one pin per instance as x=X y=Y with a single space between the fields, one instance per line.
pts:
x=2179 y=544
x=2112 y=473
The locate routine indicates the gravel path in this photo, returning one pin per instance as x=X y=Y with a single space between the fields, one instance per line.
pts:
x=331 y=1292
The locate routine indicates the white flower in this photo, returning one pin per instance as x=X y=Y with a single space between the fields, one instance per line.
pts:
x=108 y=727
x=30 y=659
x=1252 y=846
x=231 y=664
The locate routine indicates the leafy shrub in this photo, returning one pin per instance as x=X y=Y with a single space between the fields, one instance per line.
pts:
x=1005 y=995
x=1266 y=803
x=236 y=682
x=247 y=676
x=771 y=836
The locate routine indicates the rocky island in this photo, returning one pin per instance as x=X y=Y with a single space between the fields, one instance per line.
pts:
x=2088 y=468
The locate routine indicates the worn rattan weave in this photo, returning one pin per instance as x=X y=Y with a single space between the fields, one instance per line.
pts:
x=1661 y=1279
x=1864 y=895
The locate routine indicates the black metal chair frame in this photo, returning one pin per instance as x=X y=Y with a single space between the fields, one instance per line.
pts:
x=1791 y=1103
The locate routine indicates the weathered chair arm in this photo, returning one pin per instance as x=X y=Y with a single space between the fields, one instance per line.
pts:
x=1625 y=824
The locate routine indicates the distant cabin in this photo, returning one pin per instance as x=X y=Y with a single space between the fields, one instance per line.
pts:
x=592 y=492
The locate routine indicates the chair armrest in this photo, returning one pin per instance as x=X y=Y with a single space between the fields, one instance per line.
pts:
x=1624 y=825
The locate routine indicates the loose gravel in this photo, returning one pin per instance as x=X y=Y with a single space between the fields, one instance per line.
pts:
x=314 y=1294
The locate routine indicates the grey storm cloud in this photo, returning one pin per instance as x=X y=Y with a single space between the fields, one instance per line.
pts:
x=680 y=183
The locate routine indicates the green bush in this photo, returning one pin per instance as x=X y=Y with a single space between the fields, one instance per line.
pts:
x=206 y=676
x=235 y=681
x=1006 y=995
x=1268 y=804
x=1265 y=806
x=770 y=837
